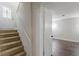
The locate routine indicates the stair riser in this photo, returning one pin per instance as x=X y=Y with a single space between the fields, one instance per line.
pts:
x=7 y=31
x=2 y=48
x=8 y=35
x=21 y=54
x=9 y=40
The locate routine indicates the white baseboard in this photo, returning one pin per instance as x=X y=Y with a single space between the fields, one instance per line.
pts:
x=58 y=38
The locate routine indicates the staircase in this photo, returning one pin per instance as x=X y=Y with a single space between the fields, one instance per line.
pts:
x=10 y=43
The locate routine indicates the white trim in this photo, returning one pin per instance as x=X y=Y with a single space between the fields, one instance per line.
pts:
x=58 y=38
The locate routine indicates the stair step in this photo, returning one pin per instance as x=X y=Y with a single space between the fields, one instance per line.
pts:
x=6 y=31
x=3 y=35
x=9 y=45
x=9 y=39
x=12 y=51
x=20 y=54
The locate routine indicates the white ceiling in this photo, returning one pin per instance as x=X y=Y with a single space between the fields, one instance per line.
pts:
x=12 y=5
x=9 y=3
x=68 y=9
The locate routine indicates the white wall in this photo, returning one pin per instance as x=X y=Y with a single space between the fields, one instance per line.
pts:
x=41 y=13
x=4 y=21
x=41 y=30
x=34 y=26
x=23 y=21
x=67 y=25
x=37 y=29
x=7 y=22
x=30 y=26
x=67 y=29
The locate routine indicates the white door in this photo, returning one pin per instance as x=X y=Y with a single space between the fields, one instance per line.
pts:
x=48 y=33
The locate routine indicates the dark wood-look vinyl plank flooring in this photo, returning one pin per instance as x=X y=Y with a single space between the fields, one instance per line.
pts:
x=65 y=48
